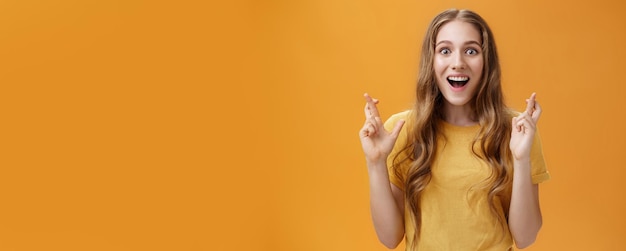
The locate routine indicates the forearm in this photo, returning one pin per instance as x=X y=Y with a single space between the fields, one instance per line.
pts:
x=387 y=216
x=524 y=214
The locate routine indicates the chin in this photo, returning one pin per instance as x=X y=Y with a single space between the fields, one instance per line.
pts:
x=457 y=101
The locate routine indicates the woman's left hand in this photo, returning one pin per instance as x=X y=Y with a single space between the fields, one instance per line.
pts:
x=524 y=128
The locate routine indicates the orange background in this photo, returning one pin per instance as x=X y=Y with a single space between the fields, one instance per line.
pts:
x=190 y=125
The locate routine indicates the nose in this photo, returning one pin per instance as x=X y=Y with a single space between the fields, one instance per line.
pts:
x=458 y=62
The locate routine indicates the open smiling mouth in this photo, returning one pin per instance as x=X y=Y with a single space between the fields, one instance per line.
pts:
x=458 y=82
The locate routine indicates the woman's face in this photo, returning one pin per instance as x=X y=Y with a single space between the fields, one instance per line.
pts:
x=458 y=62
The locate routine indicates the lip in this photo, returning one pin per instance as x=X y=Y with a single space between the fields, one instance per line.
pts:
x=458 y=89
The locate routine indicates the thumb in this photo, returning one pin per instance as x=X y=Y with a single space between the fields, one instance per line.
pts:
x=396 y=129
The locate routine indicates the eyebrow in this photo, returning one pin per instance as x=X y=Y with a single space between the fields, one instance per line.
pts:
x=466 y=43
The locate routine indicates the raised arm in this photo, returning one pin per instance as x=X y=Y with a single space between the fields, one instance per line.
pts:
x=524 y=213
x=386 y=200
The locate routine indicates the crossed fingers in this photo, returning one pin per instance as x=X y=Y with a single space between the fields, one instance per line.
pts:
x=373 y=123
x=528 y=119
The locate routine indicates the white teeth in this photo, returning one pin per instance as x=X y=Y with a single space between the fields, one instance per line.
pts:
x=458 y=78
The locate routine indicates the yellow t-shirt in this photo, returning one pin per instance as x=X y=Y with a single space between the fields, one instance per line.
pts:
x=455 y=211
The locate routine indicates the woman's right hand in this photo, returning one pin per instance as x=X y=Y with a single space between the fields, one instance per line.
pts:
x=377 y=142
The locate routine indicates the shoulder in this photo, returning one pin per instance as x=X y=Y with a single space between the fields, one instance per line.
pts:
x=393 y=119
x=404 y=115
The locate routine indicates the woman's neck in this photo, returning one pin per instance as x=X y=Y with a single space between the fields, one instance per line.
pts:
x=459 y=115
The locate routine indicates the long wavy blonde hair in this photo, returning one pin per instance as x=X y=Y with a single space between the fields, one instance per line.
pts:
x=492 y=142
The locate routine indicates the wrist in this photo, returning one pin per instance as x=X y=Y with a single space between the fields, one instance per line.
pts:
x=377 y=161
x=521 y=160
x=376 y=166
x=522 y=164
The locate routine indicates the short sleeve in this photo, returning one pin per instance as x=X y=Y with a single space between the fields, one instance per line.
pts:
x=537 y=163
x=397 y=178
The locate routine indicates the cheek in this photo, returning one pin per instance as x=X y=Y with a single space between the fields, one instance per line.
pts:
x=439 y=65
x=477 y=66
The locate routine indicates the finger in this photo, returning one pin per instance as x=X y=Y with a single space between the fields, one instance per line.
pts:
x=379 y=122
x=518 y=122
x=371 y=129
x=530 y=104
x=397 y=128
x=373 y=123
x=537 y=113
x=535 y=110
x=526 y=124
x=526 y=115
x=363 y=133
x=367 y=130
x=514 y=125
x=372 y=110
x=368 y=110
x=520 y=126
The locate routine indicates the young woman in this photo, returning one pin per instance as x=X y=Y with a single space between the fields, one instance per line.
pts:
x=462 y=173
